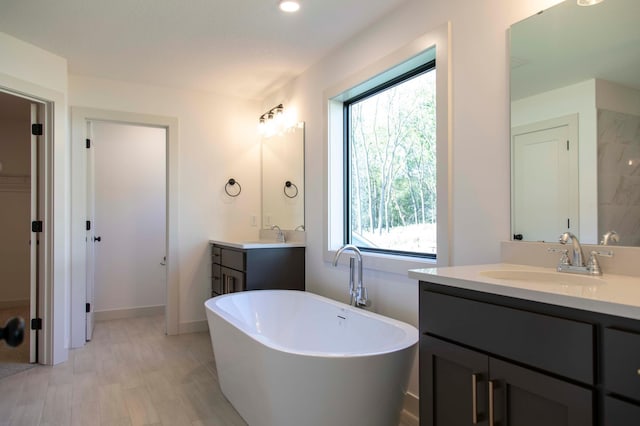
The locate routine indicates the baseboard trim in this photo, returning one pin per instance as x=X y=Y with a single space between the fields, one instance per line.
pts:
x=144 y=311
x=193 y=327
x=8 y=304
x=410 y=415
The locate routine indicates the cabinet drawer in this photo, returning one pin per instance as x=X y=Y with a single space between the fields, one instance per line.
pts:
x=233 y=259
x=216 y=279
x=556 y=345
x=215 y=254
x=622 y=362
x=620 y=413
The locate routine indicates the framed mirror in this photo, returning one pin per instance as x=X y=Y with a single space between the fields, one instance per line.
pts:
x=283 y=179
x=575 y=122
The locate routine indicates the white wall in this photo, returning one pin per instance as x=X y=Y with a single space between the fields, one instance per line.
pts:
x=480 y=218
x=27 y=69
x=218 y=139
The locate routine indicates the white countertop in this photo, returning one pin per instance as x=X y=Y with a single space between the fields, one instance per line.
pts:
x=258 y=244
x=609 y=294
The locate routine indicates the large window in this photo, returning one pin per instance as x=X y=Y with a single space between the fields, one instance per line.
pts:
x=390 y=165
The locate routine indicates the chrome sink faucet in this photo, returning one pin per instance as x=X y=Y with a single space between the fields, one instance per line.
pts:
x=575 y=263
x=577 y=258
x=279 y=235
x=357 y=295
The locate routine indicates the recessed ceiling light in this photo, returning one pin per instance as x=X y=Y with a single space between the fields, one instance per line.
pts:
x=588 y=2
x=289 y=5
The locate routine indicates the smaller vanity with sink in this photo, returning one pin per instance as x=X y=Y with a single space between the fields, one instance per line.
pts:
x=523 y=345
x=256 y=265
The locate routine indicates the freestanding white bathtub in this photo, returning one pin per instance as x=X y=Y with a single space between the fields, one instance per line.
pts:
x=293 y=358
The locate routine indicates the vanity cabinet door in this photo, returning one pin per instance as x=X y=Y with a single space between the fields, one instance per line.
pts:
x=232 y=280
x=622 y=363
x=523 y=397
x=453 y=384
x=620 y=413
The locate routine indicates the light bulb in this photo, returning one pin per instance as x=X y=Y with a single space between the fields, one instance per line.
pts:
x=289 y=6
x=588 y=2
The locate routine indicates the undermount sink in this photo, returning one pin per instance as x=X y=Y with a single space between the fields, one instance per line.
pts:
x=542 y=277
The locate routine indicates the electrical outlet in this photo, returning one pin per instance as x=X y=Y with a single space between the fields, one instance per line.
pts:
x=254 y=221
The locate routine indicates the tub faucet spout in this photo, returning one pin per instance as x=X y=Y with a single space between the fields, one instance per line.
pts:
x=357 y=295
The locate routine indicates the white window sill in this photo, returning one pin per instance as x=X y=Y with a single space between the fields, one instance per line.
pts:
x=391 y=263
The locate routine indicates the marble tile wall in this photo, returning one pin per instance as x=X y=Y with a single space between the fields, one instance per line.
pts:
x=619 y=175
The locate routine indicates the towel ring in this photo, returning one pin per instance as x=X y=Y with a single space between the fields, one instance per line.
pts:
x=289 y=184
x=230 y=183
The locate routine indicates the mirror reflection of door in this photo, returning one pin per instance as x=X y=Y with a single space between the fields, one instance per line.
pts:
x=545 y=179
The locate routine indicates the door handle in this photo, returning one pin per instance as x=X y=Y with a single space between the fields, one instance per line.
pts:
x=164 y=261
x=98 y=239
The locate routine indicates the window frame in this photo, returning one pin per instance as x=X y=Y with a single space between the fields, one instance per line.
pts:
x=437 y=45
x=423 y=68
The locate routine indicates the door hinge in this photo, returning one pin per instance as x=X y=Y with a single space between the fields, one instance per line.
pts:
x=88 y=225
x=36 y=129
x=36 y=226
x=36 y=323
x=567 y=145
x=88 y=307
x=88 y=143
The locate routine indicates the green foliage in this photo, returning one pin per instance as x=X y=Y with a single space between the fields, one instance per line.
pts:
x=393 y=157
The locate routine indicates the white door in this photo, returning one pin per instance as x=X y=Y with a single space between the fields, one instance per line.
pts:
x=91 y=238
x=544 y=193
x=130 y=218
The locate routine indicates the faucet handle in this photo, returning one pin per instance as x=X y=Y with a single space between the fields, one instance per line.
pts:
x=594 y=266
x=564 y=259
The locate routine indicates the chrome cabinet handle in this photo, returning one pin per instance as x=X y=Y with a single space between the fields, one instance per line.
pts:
x=474 y=399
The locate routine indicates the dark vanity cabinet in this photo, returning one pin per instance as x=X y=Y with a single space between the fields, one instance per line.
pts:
x=234 y=269
x=493 y=360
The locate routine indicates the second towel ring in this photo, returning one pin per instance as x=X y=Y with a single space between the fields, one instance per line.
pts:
x=230 y=183
x=289 y=184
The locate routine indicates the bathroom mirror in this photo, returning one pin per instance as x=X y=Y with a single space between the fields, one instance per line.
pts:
x=283 y=179
x=575 y=122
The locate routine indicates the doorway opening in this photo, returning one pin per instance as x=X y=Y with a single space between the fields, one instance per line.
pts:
x=126 y=227
x=82 y=122
x=21 y=206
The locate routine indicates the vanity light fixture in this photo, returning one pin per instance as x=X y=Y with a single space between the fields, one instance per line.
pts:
x=289 y=6
x=588 y=2
x=272 y=114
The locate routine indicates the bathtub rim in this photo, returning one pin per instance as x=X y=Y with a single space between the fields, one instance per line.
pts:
x=410 y=339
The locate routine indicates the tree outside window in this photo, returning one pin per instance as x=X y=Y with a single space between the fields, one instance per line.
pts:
x=391 y=166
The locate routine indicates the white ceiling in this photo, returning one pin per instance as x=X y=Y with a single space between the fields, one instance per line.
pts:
x=243 y=48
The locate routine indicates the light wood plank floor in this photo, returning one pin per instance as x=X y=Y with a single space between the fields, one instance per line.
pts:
x=129 y=374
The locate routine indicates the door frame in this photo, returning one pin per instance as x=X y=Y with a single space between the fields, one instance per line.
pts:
x=42 y=296
x=79 y=118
